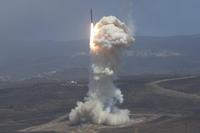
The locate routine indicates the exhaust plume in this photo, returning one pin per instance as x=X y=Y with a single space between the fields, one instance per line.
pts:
x=107 y=39
x=128 y=9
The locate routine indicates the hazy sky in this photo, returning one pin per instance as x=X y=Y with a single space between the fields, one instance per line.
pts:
x=69 y=19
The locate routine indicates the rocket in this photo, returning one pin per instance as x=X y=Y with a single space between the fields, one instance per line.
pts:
x=91 y=15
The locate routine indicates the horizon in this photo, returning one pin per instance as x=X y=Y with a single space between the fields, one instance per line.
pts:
x=85 y=39
x=70 y=20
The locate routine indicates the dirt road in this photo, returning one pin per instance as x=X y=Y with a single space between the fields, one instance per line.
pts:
x=156 y=88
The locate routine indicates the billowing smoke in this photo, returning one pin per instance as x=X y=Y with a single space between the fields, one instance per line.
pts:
x=100 y=106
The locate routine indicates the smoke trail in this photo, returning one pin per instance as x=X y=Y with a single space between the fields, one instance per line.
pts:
x=130 y=17
x=128 y=9
x=100 y=106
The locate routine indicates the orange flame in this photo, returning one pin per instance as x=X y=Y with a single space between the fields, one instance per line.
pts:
x=92 y=32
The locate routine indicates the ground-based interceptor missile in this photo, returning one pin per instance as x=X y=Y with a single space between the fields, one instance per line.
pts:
x=91 y=15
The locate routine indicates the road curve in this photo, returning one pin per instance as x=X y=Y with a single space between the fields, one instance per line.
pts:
x=154 y=86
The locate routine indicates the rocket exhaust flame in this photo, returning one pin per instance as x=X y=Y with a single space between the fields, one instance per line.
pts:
x=107 y=38
x=92 y=47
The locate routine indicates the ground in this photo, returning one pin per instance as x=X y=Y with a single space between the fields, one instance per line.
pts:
x=158 y=103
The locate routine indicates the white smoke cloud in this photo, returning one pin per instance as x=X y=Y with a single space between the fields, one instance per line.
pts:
x=112 y=32
x=100 y=106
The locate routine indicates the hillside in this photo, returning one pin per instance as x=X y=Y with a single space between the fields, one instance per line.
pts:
x=149 y=55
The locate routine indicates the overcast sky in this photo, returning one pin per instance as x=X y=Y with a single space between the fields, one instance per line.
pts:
x=65 y=20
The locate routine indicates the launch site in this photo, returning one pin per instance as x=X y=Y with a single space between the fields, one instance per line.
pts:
x=114 y=66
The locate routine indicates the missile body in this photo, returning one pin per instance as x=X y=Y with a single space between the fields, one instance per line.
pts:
x=91 y=15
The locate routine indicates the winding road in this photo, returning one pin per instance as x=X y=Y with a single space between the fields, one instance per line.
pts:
x=154 y=86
